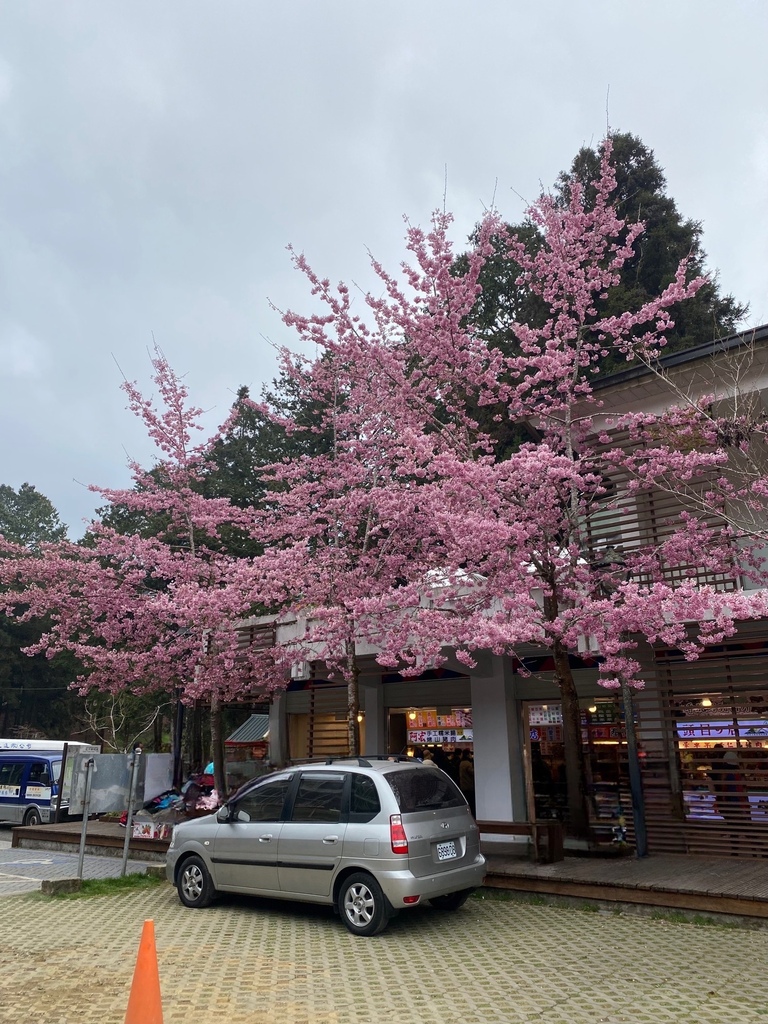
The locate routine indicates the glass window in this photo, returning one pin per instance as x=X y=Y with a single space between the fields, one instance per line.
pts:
x=424 y=789
x=364 y=800
x=38 y=774
x=318 y=797
x=56 y=769
x=10 y=774
x=264 y=803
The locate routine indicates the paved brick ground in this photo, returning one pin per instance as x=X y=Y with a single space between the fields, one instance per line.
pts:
x=23 y=870
x=258 y=962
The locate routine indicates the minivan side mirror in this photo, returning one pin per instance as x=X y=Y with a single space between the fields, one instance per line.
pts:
x=224 y=813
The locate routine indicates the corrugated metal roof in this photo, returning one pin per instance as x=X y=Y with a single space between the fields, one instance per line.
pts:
x=256 y=728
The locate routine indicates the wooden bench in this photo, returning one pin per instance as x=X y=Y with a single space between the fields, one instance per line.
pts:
x=546 y=836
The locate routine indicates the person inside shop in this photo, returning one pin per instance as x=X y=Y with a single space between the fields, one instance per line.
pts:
x=543 y=783
x=441 y=758
x=731 y=795
x=453 y=764
x=467 y=778
x=428 y=757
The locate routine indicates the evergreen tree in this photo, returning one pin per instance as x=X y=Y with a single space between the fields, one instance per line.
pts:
x=640 y=195
x=284 y=425
x=35 y=698
x=27 y=517
x=34 y=695
x=669 y=237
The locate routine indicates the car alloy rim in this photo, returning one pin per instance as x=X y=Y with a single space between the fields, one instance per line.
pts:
x=192 y=882
x=359 y=905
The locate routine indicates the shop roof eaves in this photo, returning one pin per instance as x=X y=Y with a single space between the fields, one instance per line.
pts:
x=718 y=346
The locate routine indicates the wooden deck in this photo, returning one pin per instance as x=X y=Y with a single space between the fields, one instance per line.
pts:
x=724 y=885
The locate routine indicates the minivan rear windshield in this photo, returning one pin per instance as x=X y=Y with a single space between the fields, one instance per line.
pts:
x=426 y=789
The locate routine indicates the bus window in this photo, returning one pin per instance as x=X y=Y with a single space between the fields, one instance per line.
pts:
x=10 y=778
x=39 y=775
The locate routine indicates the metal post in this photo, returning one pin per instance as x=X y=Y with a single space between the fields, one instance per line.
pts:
x=129 y=820
x=635 y=780
x=57 y=812
x=86 y=807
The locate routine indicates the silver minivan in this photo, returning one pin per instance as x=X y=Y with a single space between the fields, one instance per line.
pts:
x=369 y=835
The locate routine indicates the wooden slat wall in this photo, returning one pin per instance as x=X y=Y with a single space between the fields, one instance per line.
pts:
x=629 y=521
x=685 y=792
x=323 y=713
x=260 y=635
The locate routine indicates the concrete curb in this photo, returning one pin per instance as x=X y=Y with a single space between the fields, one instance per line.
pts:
x=57 y=886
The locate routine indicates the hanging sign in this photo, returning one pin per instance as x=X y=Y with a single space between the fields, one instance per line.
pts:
x=439 y=735
x=428 y=718
x=545 y=714
x=721 y=730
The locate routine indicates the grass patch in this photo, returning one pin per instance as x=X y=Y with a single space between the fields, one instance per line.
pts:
x=107 y=887
x=494 y=895
x=681 y=917
x=498 y=895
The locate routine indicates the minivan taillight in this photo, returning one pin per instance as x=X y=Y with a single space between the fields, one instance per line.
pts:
x=397 y=834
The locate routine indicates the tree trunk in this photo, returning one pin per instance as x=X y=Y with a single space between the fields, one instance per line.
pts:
x=196 y=744
x=635 y=775
x=575 y=768
x=217 y=749
x=177 y=730
x=353 y=701
x=157 y=733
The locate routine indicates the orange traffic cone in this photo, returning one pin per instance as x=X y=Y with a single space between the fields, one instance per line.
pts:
x=144 y=1003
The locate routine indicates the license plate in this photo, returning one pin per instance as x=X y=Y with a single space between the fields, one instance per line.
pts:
x=446 y=851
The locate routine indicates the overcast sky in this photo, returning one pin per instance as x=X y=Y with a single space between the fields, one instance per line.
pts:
x=157 y=157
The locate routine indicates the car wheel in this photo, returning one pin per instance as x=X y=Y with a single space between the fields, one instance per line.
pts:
x=33 y=817
x=194 y=883
x=362 y=905
x=451 y=900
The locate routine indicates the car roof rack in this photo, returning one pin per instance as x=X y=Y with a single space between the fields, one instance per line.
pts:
x=365 y=762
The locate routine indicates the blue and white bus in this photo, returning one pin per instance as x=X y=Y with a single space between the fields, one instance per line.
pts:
x=30 y=777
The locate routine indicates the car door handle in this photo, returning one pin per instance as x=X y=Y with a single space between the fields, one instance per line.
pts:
x=331 y=839
x=267 y=838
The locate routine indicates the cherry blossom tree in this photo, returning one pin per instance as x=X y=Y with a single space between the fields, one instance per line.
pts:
x=340 y=525
x=152 y=605
x=349 y=527
x=509 y=550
